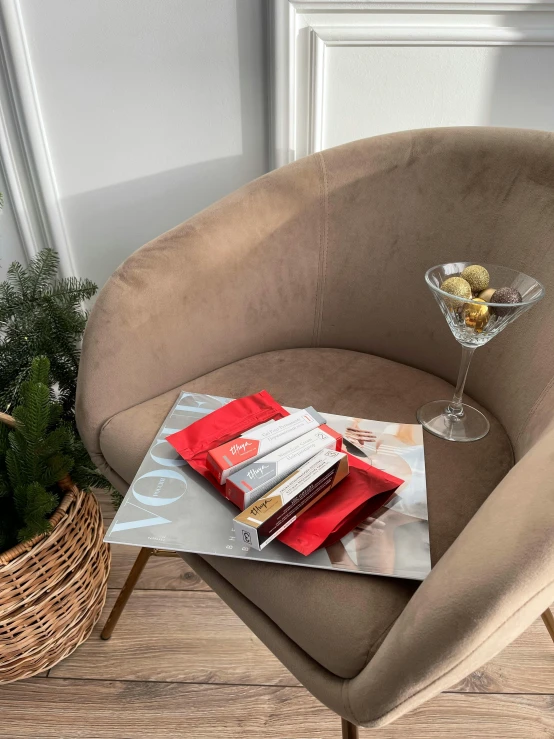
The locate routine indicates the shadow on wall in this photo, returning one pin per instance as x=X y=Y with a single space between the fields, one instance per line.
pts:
x=115 y=221
x=522 y=90
x=110 y=223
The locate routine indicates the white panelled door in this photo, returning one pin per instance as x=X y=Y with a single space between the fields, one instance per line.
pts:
x=343 y=70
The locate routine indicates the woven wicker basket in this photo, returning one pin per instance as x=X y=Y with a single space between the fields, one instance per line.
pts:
x=53 y=587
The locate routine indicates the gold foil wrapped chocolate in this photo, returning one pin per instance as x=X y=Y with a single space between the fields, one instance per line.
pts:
x=487 y=294
x=476 y=316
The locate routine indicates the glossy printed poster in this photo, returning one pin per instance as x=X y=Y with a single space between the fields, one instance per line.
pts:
x=170 y=506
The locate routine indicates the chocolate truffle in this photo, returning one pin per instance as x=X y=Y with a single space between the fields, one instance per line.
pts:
x=507 y=295
x=477 y=276
x=458 y=287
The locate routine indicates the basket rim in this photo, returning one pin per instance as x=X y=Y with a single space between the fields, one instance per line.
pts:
x=12 y=572
x=71 y=494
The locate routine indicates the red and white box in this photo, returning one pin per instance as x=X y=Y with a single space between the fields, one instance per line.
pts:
x=248 y=484
x=258 y=441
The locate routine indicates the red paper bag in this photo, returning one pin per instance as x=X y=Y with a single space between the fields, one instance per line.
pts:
x=221 y=425
x=360 y=494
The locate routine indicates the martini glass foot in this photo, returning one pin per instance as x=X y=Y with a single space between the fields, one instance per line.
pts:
x=453 y=424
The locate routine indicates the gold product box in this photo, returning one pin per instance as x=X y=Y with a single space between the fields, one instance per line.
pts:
x=265 y=519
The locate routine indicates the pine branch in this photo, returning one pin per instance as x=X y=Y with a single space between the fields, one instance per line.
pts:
x=42 y=270
x=14 y=466
x=34 y=503
x=4 y=443
x=18 y=278
x=116 y=498
x=41 y=314
x=40 y=369
x=5 y=488
x=10 y=301
x=71 y=290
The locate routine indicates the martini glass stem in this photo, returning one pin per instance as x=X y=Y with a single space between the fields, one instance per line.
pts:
x=456 y=408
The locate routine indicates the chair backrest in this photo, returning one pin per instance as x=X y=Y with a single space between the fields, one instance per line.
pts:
x=331 y=251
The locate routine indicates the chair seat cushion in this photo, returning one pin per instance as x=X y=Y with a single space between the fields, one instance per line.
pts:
x=338 y=619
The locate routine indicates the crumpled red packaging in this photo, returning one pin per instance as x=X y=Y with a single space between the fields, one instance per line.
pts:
x=360 y=494
x=221 y=425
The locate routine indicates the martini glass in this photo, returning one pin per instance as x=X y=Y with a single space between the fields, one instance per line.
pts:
x=473 y=323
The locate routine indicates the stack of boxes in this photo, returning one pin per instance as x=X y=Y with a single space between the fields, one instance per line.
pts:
x=275 y=471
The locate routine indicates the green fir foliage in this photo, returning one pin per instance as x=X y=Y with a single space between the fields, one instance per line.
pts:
x=42 y=320
x=34 y=457
x=41 y=314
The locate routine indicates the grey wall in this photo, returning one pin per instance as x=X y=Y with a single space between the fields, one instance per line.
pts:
x=152 y=111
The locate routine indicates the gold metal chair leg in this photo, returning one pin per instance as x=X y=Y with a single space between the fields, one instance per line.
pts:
x=349 y=731
x=548 y=619
x=125 y=593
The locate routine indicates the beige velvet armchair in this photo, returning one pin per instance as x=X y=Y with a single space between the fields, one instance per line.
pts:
x=309 y=283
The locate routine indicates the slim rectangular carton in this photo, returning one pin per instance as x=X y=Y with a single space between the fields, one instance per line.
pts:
x=251 y=482
x=265 y=519
x=258 y=441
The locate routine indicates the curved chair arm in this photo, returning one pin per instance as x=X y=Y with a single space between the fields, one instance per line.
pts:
x=235 y=280
x=494 y=581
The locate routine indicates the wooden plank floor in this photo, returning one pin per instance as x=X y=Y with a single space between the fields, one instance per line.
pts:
x=174 y=669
